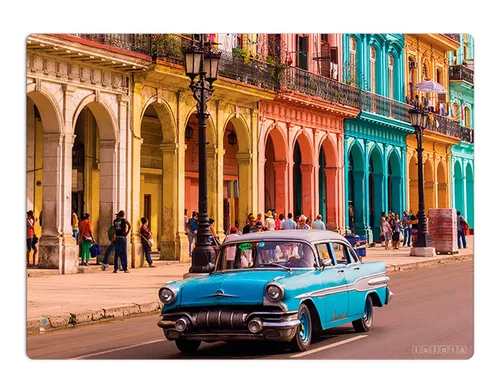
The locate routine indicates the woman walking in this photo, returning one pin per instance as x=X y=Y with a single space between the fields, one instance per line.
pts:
x=146 y=241
x=86 y=238
x=387 y=231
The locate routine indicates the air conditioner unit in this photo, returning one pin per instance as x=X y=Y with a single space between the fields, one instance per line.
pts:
x=413 y=64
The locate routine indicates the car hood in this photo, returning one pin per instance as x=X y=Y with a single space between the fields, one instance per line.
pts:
x=234 y=288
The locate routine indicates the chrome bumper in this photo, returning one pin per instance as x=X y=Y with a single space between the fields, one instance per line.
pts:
x=389 y=295
x=277 y=326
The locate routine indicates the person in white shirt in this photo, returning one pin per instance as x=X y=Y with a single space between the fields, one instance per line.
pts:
x=318 y=223
x=288 y=223
x=302 y=223
x=269 y=222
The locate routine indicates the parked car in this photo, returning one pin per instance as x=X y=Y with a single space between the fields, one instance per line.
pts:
x=275 y=286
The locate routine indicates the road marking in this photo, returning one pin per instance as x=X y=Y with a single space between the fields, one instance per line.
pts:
x=329 y=346
x=118 y=349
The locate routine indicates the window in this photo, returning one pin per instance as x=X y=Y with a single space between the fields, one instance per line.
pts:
x=266 y=254
x=391 y=76
x=373 y=69
x=343 y=254
x=324 y=251
x=352 y=60
x=467 y=117
x=302 y=51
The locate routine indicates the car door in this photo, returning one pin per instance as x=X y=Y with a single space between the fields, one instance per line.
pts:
x=354 y=273
x=335 y=298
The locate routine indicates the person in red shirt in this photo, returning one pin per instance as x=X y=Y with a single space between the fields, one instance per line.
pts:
x=146 y=240
x=86 y=238
x=31 y=238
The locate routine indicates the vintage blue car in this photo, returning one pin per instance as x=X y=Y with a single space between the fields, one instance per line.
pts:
x=275 y=286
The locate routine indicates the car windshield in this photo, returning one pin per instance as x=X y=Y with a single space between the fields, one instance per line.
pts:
x=266 y=254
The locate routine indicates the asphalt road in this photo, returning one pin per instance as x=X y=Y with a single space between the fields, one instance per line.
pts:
x=430 y=317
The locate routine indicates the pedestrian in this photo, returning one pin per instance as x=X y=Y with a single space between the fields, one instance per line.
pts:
x=414 y=229
x=237 y=226
x=192 y=227
x=383 y=218
x=259 y=218
x=231 y=249
x=406 y=226
x=74 y=224
x=288 y=223
x=269 y=223
x=86 y=238
x=277 y=220
x=308 y=222
x=31 y=238
x=122 y=229
x=387 y=232
x=258 y=226
x=351 y=218
x=318 y=223
x=397 y=231
x=303 y=223
x=461 y=228
x=250 y=226
x=110 y=249
x=147 y=240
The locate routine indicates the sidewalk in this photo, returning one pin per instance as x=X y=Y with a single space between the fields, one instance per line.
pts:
x=57 y=301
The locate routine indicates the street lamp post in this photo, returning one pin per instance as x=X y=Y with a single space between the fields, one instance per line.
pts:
x=422 y=247
x=195 y=57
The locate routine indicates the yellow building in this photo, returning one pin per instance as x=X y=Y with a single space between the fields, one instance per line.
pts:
x=426 y=57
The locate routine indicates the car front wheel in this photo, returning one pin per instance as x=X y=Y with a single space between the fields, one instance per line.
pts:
x=303 y=335
x=187 y=346
x=364 y=324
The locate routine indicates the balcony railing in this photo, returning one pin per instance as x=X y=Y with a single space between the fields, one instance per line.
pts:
x=460 y=72
x=296 y=79
x=168 y=47
x=384 y=106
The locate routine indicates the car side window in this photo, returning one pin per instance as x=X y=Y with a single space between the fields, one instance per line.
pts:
x=341 y=253
x=353 y=254
x=324 y=251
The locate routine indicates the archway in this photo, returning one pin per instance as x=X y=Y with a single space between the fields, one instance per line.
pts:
x=469 y=177
x=413 y=178
x=459 y=187
x=275 y=168
x=429 y=191
x=376 y=190
x=394 y=183
x=442 y=186
x=327 y=181
x=302 y=177
x=355 y=189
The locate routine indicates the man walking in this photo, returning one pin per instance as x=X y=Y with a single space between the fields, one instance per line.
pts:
x=405 y=221
x=288 y=223
x=111 y=247
x=192 y=229
x=461 y=225
x=122 y=229
x=318 y=223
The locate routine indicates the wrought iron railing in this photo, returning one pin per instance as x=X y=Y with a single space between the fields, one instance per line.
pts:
x=461 y=72
x=296 y=79
x=384 y=106
x=444 y=125
x=455 y=37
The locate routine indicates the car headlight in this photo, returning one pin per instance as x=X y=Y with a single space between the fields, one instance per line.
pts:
x=167 y=295
x=274 y=292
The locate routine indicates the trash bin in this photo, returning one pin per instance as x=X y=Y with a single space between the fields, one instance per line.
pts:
x=361 y=241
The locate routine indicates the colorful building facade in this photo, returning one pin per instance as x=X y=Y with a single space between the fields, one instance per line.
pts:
x=462 y=107
x=375 y=141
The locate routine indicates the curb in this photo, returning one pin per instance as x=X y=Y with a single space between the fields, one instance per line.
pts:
x=429 y=263
x=67 y=320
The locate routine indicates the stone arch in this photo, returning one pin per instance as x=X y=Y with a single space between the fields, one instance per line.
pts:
x=306 y=146
x=242 y=132
x=275 y=171
x=413 y=186
x=355 y=187
x=50 y=113
x=458 y=184
x=106 y=120
x=165 y=116
x=442 y=186
x=331 y=154
x=328 y=181
x=395 y=183
x=211 y=129
x=302 y=171
x=376 y=195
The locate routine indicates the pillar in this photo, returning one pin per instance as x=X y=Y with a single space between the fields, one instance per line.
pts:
x=397 y=204
x=169 y=204
x=377 y=203
x=332 y=211
x=245 y=187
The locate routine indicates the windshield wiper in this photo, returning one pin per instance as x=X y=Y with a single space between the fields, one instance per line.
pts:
x=276 y=265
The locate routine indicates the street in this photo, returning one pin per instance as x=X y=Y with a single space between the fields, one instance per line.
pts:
x=430 y=317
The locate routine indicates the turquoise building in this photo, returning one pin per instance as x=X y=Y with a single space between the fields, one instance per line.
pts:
x=462 y=108
x=375 y=141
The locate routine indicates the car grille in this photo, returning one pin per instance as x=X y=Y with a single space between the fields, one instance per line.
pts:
x=219 y=319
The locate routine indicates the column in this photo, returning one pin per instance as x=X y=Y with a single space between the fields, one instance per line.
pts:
x=215 y=180
x=332 y=211
x=359 y=196
x=108 y=192
x=245 y=189
x=397 y=203
x=307 y=189
x=169 y=204
x=280 y=170
x=377 y=203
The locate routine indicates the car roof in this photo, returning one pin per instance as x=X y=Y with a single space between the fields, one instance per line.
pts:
x=310 y=235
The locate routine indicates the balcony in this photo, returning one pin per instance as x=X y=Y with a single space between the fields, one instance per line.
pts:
x=296 y=79
x=455 y=37
x=450 y=128
x=384 y=106
x=461 y=72
x=168 y=47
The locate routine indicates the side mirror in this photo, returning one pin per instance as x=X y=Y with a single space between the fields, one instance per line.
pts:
x=211 y=268
x=326 y=262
